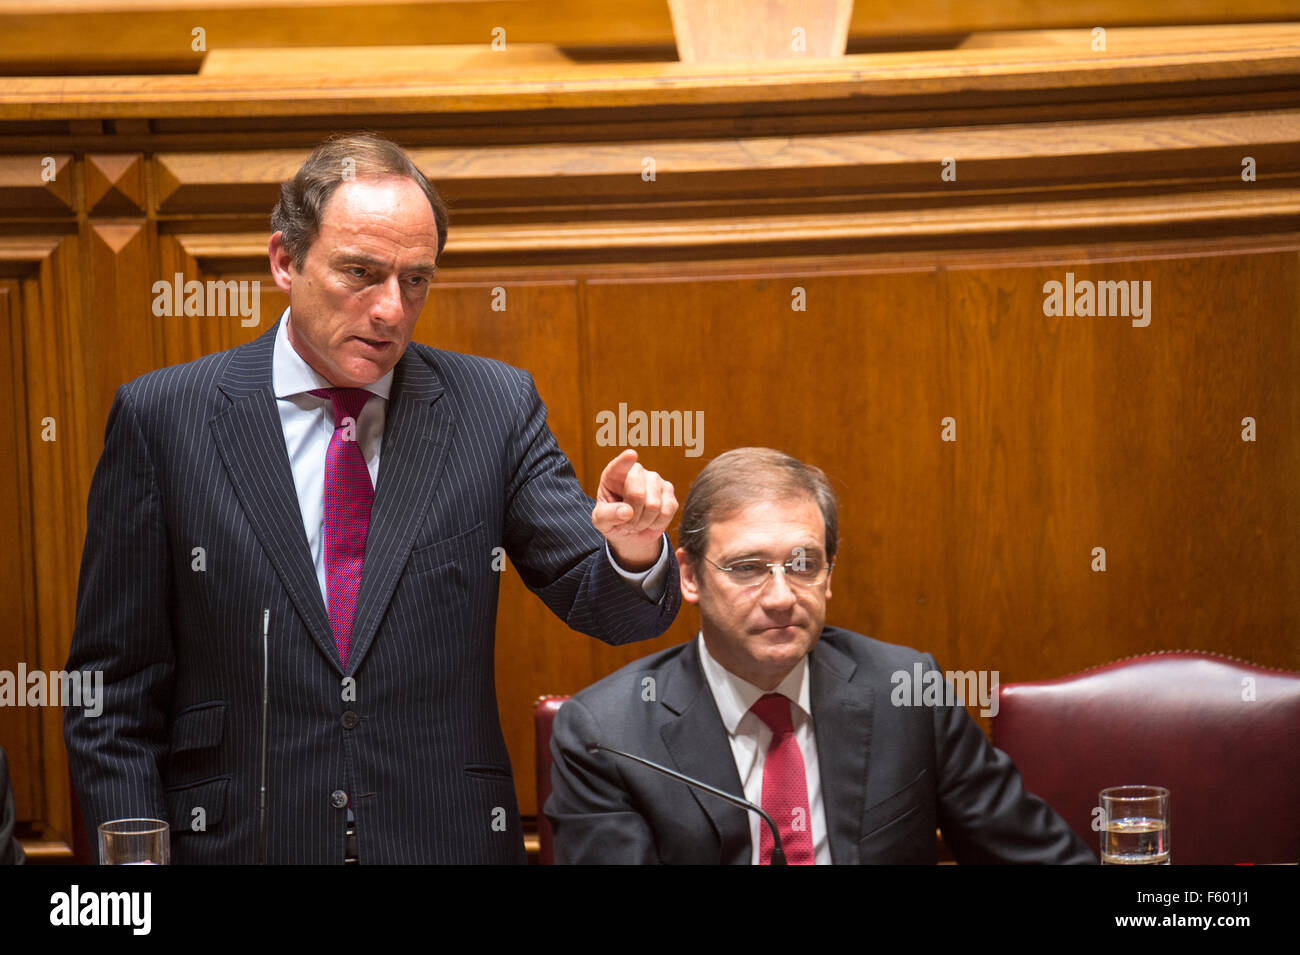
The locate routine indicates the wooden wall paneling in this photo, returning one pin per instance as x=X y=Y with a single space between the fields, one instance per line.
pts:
x=43 y=301
x=117 y=333
x=221 y=262
x=1088 y=430
x=131 y=38
x=56 y=366
x=847 y=385
x=980 y=550
x=20 y=728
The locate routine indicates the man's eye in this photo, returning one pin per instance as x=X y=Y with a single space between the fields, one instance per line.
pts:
x=748 y=569
x=357 y=271
x=804 y=567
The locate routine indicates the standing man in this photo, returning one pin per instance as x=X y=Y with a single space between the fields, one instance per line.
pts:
x=770 y=704
x=355 y=484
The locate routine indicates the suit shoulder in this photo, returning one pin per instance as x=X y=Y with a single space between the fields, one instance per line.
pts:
x=179 y=385
x=612 y=692
x=869 y=651
x=463 y=371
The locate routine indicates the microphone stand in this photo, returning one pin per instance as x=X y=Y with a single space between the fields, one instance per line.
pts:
x=261 y=809
x=778 y=854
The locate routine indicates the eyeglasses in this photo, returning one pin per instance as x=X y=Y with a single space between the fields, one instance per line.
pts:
x=800 y=571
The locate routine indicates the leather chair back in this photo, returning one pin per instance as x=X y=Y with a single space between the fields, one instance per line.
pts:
x=1222 y=735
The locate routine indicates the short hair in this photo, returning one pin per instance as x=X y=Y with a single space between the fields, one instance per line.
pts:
x=738 y=477
x=343 y=157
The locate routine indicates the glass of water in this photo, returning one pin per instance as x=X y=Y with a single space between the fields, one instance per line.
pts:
x=134 y=842
x=1136 y=825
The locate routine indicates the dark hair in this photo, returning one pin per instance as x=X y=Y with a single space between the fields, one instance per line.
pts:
x=735 y=478
x=339 y=159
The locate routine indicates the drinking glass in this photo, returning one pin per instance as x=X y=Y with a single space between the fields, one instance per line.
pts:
x=134 y=842
x=1136 y=830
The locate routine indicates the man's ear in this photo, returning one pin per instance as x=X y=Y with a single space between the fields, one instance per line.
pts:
x=281 y=262
x=690 y=585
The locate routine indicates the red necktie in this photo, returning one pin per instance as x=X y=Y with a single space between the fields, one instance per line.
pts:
x=785 y=786
x=348 y=496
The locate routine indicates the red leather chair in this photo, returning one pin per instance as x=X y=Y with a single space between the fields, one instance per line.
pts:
x=544 y=711
x=1185 y=720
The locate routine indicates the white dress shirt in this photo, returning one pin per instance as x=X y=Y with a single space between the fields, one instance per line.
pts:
x=750 y=738
x=308 y=423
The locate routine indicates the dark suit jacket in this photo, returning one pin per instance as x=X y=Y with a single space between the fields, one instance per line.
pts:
x=890 y=775
x=11 y=850
x=194 y=457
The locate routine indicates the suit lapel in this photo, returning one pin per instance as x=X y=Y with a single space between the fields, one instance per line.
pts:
x=417 y=435
x=250 y=440
x=842 y=721
x=698 y=744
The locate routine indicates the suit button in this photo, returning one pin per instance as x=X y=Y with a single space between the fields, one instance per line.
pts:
x=349 y=720
x=338 y=799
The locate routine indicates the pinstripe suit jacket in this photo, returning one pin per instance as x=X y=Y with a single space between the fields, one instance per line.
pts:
x=194 y=457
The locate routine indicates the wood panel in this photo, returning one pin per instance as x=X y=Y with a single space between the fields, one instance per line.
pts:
x=150 y=36
x=20 y=729
x=1073 y=433
x=1211 y=58
x=51 y=457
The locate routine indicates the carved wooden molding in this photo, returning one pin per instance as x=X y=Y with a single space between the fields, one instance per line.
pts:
x=115 y=184
x=139 y=38
x=40 y=185
x=1190 y=60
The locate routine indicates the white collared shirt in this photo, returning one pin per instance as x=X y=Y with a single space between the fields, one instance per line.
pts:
x=308 y=424
x=750 y=738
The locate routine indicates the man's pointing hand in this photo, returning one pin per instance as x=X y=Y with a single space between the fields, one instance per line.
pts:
x=633 y=507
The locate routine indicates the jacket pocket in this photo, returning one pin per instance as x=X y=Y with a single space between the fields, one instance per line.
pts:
x=900 y=829
x=487 y=771
x=459 y=547
x=197 y=807
x=198 y=727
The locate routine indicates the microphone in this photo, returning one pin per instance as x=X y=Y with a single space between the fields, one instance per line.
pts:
x=261 y=809
x=778 y=855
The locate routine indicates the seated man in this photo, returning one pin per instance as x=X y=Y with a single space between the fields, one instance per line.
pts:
x=768 y=703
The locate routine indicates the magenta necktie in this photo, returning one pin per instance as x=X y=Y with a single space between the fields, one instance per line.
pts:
x=785 y=786
x=348 y=496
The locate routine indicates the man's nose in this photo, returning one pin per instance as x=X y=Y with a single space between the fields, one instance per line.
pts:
x=777 y=592
x=387 y=304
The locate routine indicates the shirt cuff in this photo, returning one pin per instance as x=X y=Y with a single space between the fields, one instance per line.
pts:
x=652 y=581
